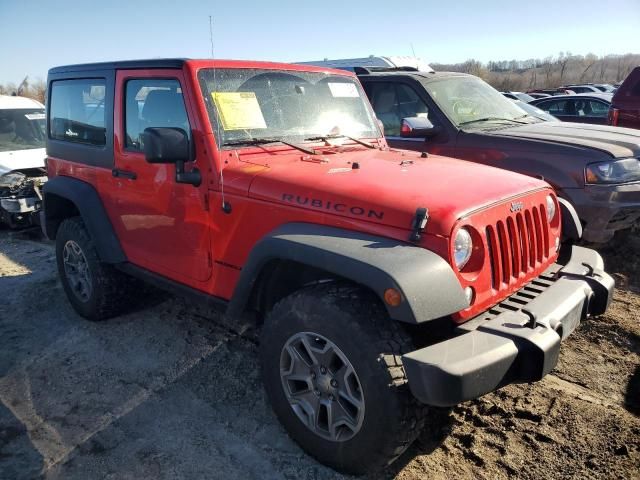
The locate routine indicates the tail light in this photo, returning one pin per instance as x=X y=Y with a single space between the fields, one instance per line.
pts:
x=613 y=116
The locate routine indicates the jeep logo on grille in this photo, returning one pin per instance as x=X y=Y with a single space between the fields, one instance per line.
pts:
x=517 y=206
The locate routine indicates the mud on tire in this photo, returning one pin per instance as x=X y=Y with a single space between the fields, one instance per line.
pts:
x=354 y=322
x=97 y=291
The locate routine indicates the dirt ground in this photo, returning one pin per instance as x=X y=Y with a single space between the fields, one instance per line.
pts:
x=169 y=391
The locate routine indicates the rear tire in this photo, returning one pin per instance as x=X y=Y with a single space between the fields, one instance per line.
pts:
x=338 y=325
x=97 y=291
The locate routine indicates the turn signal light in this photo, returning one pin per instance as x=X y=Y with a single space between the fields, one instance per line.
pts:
x=590 y=176
x=392 y=297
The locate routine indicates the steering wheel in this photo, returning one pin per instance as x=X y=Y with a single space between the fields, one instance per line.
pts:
x=465 y=107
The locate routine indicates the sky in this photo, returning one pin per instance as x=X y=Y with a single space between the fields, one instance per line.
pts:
x=38 y=34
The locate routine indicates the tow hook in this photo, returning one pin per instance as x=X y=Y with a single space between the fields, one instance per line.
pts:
x=532 y=317
x=420 y=220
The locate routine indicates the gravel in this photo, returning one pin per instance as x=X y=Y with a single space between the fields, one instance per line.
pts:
x=171 y=391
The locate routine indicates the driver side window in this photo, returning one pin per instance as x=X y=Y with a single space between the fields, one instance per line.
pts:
x=394 y=101
x=152 y=103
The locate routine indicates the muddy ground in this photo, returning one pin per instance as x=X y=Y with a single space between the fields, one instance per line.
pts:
x=169 y=391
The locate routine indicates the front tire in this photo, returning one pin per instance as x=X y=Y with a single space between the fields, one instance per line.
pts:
x=332 y=370
x=96 y=290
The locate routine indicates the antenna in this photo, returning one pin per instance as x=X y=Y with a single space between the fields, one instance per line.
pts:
x=412 y=50
x=211 y=34
x=226 y=207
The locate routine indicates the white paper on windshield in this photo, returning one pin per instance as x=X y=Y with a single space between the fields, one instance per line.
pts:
x=34 y=116
x=239 y=110
x=343 y=90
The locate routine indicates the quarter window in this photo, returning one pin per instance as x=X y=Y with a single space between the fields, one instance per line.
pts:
x=77 y=111
x=598 y=109
x=152 y=103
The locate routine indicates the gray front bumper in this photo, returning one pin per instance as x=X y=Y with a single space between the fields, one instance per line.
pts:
x=516 y=346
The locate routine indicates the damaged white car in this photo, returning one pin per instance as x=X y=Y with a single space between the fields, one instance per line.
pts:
x=22 y=157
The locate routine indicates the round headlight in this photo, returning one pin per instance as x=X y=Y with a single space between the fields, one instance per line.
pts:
x=462 y=246
x=551 y=208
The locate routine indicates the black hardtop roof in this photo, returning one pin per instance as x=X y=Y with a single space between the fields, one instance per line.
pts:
x=409 y=73
x=123 y=64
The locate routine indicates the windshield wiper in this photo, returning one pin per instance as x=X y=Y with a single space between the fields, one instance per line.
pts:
x=266 y=141
x=325 y=138
x=488 y=119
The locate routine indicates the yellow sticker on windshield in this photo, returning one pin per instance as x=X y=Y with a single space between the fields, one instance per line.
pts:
x=238 y=110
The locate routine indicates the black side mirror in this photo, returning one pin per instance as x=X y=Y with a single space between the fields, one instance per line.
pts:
x=417 y=127
x=165 y=145
x=170 y=145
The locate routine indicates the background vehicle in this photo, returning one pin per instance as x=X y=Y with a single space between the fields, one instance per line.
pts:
x=471 y=120
x=580 y=108
x=524 y=97
x=538 y=95
x=552 y=91
x=22 y=154
x=331 y=240
x=625 y=104
x=583 y=88
x=535 y=111
x=605 y=87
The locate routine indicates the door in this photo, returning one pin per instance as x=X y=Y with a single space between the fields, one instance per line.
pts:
x=162 y=225
x=591 y=110
x=394 y=100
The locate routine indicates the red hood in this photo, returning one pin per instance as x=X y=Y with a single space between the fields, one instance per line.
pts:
x=389 y=186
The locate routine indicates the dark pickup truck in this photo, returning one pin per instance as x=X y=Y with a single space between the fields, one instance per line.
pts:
x=595 y=167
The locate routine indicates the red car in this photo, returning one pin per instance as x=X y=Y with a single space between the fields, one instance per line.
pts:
x=625 y=105
x=269 y=188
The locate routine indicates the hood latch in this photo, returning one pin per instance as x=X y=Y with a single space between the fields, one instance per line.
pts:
x=420 y=220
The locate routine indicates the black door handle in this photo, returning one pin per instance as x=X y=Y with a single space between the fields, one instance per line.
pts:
x=123 y=174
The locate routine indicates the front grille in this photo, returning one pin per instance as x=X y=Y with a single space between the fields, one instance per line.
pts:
x=517 y=245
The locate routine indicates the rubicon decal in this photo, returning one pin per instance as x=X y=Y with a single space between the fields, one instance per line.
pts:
x=337 y=207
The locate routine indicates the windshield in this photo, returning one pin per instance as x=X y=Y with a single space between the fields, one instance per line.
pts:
x=247 y=104
x=21 y=129
x=470 y=101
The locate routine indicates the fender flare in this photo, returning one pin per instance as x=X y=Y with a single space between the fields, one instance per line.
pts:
x=87 y=201
x=429 y=287
x=571 y=226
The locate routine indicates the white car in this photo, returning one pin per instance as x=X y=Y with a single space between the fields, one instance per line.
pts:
x=22 y=154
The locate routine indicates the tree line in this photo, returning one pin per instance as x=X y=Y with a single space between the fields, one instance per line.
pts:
x=549 y=72
x=36 y=89
x=517 y=75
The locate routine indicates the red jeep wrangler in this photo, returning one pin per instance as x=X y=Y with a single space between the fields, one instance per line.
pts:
x=385 y=280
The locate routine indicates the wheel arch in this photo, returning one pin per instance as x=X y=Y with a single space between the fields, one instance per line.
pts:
x=66 y=197
x=571 y=225
x=297 y=254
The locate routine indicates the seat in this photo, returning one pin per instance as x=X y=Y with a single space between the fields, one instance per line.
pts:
x=385 y=104
x=164 y=108
x=7 y=130
x=570 y=108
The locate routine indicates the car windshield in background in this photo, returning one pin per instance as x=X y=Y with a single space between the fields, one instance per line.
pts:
x=536 y=112
x=21 y=129
x=255 y=104
x=470 y=102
